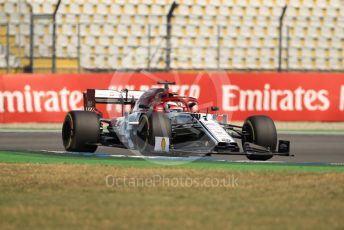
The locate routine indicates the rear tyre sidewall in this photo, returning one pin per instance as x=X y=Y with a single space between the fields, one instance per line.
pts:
x=142 y=136
x=262 y=131
x=81 y=131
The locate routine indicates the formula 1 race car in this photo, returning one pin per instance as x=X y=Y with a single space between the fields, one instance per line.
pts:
x=161 y=122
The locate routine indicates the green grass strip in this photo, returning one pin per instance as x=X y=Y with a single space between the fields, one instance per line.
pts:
x=47 y=158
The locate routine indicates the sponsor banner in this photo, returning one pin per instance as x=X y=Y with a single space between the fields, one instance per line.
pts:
x=283 y=96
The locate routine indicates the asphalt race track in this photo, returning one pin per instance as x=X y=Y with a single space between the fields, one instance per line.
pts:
x=317 y=148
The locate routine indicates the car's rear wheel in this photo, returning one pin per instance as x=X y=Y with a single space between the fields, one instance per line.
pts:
x=81 y=131
x=151 y=125
x=260 y=130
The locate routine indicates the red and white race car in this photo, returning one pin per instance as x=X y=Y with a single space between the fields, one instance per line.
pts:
x=161 y=122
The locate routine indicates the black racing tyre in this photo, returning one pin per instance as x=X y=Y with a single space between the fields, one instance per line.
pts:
x=80 y=128
x=151 y=125
x=260 y=130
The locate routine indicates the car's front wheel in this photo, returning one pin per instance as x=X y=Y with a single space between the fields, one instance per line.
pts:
x=151 y=125
x=260 y=130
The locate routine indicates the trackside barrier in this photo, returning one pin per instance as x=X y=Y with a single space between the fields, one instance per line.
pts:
x=283 y=96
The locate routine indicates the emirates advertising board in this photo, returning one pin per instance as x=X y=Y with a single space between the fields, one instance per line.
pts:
x=282 y=96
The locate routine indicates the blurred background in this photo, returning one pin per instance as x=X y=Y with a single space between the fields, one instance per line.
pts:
x=159 y=35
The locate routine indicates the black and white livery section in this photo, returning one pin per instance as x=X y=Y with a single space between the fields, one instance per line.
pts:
x=163 y=123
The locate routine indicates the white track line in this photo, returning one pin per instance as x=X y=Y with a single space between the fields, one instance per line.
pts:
x=192 y=158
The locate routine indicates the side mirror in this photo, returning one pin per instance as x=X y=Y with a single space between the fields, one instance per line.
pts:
x=215 y=108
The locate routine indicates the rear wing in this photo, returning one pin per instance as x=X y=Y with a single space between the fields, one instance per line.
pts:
x=100 y=96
